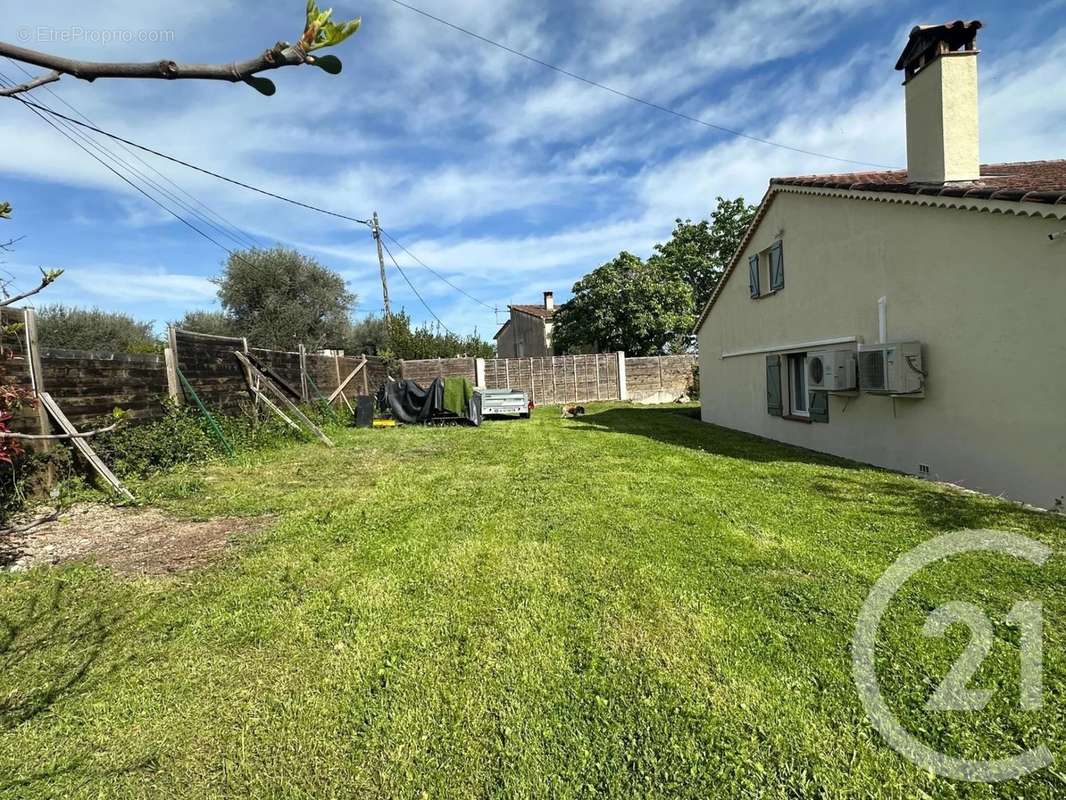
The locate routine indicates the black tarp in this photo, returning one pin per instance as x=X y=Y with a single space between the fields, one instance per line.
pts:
x=408 y=402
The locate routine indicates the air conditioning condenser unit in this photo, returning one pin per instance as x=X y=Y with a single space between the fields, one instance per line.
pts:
x=831 y=371
x=892 y=368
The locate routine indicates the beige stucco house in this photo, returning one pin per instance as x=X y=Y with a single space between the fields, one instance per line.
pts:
x=914 y=320
x=528 y=333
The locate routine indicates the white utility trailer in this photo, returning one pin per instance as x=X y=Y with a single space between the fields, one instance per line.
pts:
x=503 y=402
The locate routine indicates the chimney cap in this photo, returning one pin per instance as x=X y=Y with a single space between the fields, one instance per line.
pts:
x=926 y=42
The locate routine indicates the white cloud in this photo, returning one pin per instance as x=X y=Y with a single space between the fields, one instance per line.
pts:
x=465 y=149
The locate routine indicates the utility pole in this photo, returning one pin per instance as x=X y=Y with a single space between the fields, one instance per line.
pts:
x=381 y=262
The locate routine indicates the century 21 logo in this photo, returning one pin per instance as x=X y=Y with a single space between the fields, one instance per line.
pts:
x=954 y=693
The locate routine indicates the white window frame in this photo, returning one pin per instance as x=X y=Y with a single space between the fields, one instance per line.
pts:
x=791 y=360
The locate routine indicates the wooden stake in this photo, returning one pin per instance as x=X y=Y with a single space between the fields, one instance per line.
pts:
x=340 y=389
x=83 y=446
x=281 y=396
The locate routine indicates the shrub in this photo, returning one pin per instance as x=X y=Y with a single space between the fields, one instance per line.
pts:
x=93 y=329
x=184 y=436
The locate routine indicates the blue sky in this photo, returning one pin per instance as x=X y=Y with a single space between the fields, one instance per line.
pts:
x=509 y=178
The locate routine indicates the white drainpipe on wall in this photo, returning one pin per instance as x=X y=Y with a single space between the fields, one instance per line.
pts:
x=882 y=320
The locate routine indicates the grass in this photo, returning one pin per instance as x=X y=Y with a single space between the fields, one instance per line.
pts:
x=631 y=605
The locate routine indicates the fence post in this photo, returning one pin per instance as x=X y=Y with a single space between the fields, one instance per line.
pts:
x=304 y=394
x=33 y=358
x=623 y=391
x=479 y=372
x=170 y=358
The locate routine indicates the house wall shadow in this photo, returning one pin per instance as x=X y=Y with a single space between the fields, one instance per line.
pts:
x=682 y=426
x=872 y=492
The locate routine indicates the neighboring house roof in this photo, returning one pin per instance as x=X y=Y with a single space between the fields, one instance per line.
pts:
x=1022 y=182
x=534 y=311
x=503 y=327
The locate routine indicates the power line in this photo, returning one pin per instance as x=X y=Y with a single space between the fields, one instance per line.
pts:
x=242 y=237
x=113 y=158
x=426 y=266
x=186 y=164
x=634 y=98
x=413 y=289
x=5 y=81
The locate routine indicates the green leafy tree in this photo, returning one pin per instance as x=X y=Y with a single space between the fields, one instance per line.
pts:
x=642 y=308
x=93 y=329
x=280 y=298
x=699 y=252
x=425 y=341
x=368 y=336
x=216 y=323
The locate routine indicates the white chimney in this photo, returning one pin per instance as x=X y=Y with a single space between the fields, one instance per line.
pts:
x=940 y=65
x=549 y=301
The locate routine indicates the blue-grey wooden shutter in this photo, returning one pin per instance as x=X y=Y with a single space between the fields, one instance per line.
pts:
x=818 y=406
x=774 y=406
x=753 y=275
x=777 y=267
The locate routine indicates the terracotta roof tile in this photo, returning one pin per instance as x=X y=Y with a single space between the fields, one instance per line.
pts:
x=535 y=311
x=1029 y=181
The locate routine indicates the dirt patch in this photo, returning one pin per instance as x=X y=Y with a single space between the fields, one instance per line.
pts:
x=134 y=541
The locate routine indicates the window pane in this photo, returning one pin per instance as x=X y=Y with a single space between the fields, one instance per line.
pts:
x=798 y=383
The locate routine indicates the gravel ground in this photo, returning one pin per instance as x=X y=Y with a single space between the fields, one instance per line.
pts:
x=135 y=541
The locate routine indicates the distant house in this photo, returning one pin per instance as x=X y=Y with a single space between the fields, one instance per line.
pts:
x=528 y=333
x=913 y=319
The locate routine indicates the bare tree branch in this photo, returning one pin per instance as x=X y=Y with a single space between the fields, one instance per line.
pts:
x=47 y=279
x=281 y=55
x=51 y=77
x=41 y=436
x=50 y=517
x=10 y=243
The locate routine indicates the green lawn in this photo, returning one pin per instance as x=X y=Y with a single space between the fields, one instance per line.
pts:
x=632 y=604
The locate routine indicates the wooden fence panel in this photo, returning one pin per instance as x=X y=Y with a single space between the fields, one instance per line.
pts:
x=285 y=363
x=659 y=377
x=557 y=380
x=425 y=371
x=89 y=385
x=212 y=370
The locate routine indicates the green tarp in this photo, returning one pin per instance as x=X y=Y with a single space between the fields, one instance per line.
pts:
x=458 y=392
